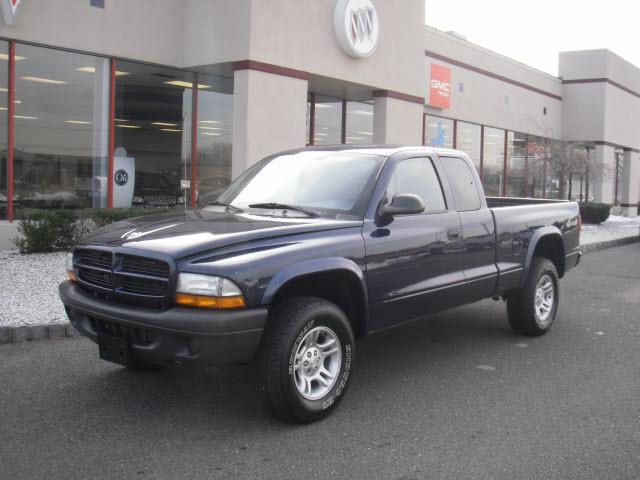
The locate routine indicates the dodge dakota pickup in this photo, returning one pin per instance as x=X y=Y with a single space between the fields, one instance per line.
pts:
x=309 y=250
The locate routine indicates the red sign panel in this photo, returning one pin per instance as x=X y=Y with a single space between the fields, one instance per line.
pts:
x=440 y=86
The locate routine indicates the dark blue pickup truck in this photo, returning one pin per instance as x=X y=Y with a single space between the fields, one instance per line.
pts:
x=309 y=250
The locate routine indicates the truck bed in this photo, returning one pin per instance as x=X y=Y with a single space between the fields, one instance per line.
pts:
x=517 y=220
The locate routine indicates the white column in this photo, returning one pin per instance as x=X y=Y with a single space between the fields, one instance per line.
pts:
x=604 y=174
x=101 y=84
x=397 y=121
x=630 y=183
x=269 y=115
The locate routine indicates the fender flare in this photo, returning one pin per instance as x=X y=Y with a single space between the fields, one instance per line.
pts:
x=539 y=234
x=323 y=265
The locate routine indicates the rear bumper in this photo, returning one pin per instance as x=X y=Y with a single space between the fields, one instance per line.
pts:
x=179 y=335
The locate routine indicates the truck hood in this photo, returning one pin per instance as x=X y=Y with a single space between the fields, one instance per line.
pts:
x=198 y=231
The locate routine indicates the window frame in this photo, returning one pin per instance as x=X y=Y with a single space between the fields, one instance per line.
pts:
x=432 y=162
x=471 y=169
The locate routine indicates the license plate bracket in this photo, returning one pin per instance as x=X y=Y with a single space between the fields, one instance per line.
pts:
x=113 y=349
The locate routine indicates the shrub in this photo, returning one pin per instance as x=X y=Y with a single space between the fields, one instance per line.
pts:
x=594 y=212
x=44 y=231
x=54 y=230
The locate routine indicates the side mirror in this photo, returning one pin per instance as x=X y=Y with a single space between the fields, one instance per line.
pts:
x=402 y=204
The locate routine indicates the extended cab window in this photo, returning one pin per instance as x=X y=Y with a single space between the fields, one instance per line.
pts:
x=462 y=181
x=417 y=176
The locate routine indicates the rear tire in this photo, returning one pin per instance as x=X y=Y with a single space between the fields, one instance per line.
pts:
x=532 y=309
x=306 y=359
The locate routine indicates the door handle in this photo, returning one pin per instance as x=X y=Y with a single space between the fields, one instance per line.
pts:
x=453 y=234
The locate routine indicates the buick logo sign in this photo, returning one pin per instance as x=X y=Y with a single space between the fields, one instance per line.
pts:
x=121 y=177
x=357 y=28
x=10 y=10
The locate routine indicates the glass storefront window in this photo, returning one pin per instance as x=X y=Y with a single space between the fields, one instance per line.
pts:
x=4 y=174
x=153 y=133
x=438 y=132
x=468 y=140
x=61 y=129
x=536 y=159
x=493 y=161
x=516 y=165
x=359 y=123
x=215 y=124
x=328 y=121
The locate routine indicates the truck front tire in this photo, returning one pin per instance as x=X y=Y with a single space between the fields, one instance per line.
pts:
x=532 y=309
x=306 y=359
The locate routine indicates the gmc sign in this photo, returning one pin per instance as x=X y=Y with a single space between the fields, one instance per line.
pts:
x=440 y=86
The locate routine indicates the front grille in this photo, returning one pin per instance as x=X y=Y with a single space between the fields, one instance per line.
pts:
x=94 y=258
x=127 y=278
x=144 y=266
x=138 y=286
x=96 y=277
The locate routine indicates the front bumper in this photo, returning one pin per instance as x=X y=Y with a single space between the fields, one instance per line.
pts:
x=179 y=335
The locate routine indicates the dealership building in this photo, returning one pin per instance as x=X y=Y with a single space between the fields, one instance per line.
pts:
x=113 y=103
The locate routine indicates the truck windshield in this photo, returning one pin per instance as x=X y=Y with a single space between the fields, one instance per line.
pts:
x=331 y=182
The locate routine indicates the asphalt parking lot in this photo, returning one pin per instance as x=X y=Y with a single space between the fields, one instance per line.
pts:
x=454 y=396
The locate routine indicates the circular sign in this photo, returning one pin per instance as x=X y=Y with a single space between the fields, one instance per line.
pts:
x=121 y=177
x=356 y=26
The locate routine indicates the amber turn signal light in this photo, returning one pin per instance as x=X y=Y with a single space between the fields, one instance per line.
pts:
x=203 y=301
x=72 y=276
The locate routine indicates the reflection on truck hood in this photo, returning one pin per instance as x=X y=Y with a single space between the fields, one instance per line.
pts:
x=195 y=231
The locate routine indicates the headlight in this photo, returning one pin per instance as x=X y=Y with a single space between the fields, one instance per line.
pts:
x=71 y=274
x=208 y=291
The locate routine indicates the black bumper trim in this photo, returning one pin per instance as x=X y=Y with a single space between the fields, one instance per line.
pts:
x=180 y=334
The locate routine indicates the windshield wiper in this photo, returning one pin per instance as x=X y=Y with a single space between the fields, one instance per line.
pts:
x=282 y=206
x=227 y=206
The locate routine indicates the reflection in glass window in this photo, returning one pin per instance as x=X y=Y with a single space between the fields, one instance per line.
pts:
x=468 y=140
x=153 y=132
x=438 y=132
x=4 y=68
x=493 y=161
x=61 y=131
x=328 y=121
x=215 y=123
x=359 y=123
x=417 y=176
x=536 y=157
x=517 y=162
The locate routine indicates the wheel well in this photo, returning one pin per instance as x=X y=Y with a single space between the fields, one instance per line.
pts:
x=551 y=247
x=340 y=287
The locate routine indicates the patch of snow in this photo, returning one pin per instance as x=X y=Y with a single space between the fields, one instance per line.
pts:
x=613 y=228
x=29 y=288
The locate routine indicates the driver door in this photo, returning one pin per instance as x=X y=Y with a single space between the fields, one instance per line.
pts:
x=414 y=261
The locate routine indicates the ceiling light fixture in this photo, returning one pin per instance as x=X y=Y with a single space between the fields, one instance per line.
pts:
x=93 y=70
x=182 y=83
x=163 y=124
x=211 y=133
x=209 y=128
x=209 y=121
x=78 y=122
x=44 y=80
x=170 y=130
x=4 y=56
x=128 y=126
x=24 y=117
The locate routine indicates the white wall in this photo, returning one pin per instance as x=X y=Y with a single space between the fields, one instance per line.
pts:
x=490 y=101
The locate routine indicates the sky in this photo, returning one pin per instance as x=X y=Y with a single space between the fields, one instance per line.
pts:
x=533 y=32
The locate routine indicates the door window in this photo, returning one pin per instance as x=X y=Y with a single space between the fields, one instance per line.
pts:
x=417 y=176
x=462 y=183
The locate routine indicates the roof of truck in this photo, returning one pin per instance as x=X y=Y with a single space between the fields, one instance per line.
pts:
x=384 y=150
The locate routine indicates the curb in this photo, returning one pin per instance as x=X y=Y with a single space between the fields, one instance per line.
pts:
x=28 y=333
x=617 y=242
